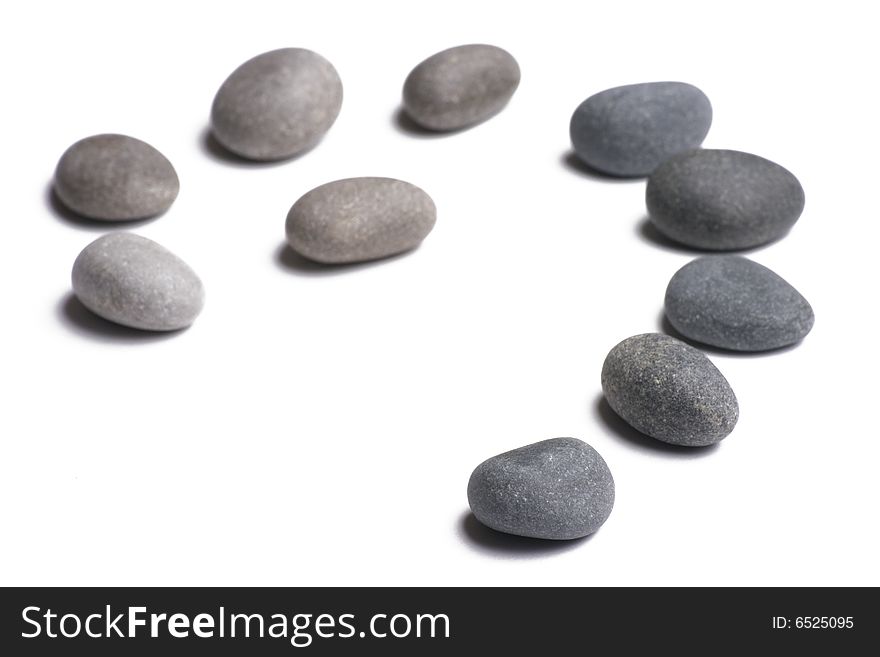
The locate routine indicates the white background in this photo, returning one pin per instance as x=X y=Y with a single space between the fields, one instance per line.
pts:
x=319 y=426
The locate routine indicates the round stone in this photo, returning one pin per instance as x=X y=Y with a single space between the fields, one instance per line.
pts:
x=734 y=303
x=115 y=178
x=556 y=489
x=628 y=131
x=133 y=281
x=359 y=219
x=668 y=390
x=277 y=105
x=460 y=86
x=723 y=200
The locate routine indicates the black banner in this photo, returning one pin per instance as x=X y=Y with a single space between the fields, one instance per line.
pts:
x=445 y=621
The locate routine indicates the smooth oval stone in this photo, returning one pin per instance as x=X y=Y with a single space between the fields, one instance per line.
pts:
x=723 y=200
x=628 y=131
x=734 y=303
x=668 y=390
x=556 y=489
x=277 y=105
x=133 y=281
x=359 y=219
x=115 y=178
x=460 y=86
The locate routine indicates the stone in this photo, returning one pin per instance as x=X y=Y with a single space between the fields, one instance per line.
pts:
x=277 y=105
x=359 y=219
x=668 y=390
x=461 y=86
x=115 y=178
x=135 y=282
x=734 y=303
x=721 y=200
x=557 y=489
x=628 y=131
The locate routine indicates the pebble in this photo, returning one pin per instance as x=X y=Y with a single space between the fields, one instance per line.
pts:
x=460 y=86
x=557 y=489
x=277 y=105
x=734 y=303
x=115 y=178
x=723 y=200
x=133 y=281
x=628 y=131
x=668 y=390
x=359 y=219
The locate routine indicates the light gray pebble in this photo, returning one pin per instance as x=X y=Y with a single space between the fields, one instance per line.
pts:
x=557 y=489
x=734 y=303
x=133 y=281
x=723 y=200
x=627 y=131
x=460 y=86
x=115 y=178
x=359 y=219
x=668 y=390
x=277 y=105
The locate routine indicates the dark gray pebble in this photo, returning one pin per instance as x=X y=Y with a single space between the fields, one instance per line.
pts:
x=668 y=390
x=734 y=303
x=115 y=178
x=723 y=200
x=628 y=131
x=136 y=282
x=460 y=86
x=556 y=489
x=359 y=219
x=277 y=105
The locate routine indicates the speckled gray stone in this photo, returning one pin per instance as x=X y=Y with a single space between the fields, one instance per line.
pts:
x=723 y=200
x=460 y=86
x=115 y=178
x=668 y=390
x=627 y=131
x=136 y=282
x=556 y=489
x=359 y=219
x=734 y=303
x=277 y=105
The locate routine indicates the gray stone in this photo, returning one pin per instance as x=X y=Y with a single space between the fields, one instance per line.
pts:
x=734 y=303
x=628 y=131
x=359 y=219
x=115 y=178
x=277 y=105
x=133 y=281
x=461 y=86
x=668 y=390
x=723 y=200
x=556 y=489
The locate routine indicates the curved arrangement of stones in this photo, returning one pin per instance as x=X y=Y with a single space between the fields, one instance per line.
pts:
x=281 y=103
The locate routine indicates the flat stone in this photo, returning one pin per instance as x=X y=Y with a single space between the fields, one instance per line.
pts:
x=723 y=200
x=668 y=390
x=277 y=105
x=460 y=86
x=556 y=489
x=115 y=178
x=734 y=303
x=359 y=219
x=628 y=131
x=133 y=281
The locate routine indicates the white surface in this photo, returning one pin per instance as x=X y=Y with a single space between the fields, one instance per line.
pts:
x=320 y=428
